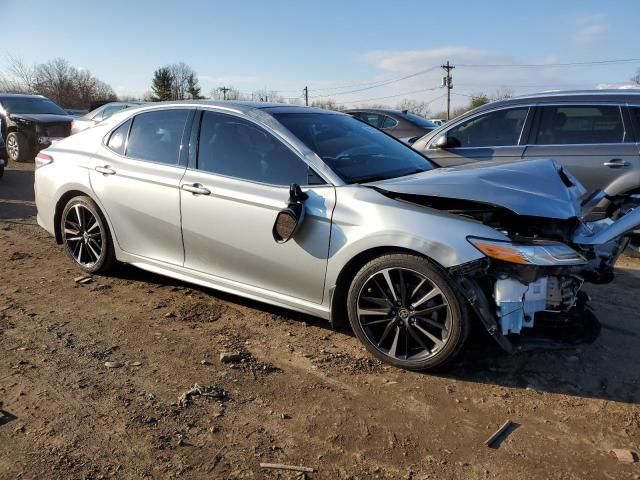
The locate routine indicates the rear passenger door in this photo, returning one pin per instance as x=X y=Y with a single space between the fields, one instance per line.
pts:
x=595 y=142
x=136 y=176
x=493 y=135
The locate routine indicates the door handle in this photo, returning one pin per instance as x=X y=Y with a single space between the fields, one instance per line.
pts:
x=616 y=163
x=195 y=188
x=106 y=170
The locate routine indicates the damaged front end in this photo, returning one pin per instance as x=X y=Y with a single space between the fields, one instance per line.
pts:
x=535 y=278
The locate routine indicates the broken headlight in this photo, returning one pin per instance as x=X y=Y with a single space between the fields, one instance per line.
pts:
x=534 y=253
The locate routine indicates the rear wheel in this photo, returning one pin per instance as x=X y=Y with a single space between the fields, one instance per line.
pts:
x=406 y=312
x=85 y=235
x=18 y=148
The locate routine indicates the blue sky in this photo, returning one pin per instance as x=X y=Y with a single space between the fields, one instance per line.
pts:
x=285 y=45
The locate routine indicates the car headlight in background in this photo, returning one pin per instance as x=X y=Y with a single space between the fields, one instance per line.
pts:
x=542 y=254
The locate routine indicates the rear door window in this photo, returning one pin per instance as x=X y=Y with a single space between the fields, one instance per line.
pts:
x=580 y=124
x=494 y=129
x=156 y=136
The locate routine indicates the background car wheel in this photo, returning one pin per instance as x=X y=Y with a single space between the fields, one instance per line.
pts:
x=18 y=148
x=633 y=247
x=406 y=312
x=85 y=235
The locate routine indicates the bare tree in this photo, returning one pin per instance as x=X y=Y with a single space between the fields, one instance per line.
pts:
x=328 y=104
x=57 y=79
x=414 y=106
x=636 y=78
x=181 y=73
x=231 y=93
x=501 y=93
x=264 y=95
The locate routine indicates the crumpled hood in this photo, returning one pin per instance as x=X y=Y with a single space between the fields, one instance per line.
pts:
x=42 y=117
x=539 y=188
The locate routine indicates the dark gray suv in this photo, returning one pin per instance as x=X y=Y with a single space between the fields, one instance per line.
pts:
x=595 y=134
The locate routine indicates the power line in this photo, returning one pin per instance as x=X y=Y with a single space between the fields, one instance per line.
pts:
x=397 y=95
x=379 y=84
x=536 y=65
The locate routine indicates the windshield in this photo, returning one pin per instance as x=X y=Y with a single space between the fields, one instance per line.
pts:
x=354 y=150
x=420 y=121
x=35 y=105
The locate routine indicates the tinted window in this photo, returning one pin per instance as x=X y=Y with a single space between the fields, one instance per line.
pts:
x=372 y=119
x=388 y=122
x=354 y=150
x=118 y=139
x=110 y=110
x=156 y=136
x=420 y=121
x=238 y=148
x=494 y=129
x=635 y=113
x=562 y=125
x=36 y=105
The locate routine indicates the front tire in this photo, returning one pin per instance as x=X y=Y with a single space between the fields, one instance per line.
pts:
x=85 y=235
x=18 y=148
x=406 y=312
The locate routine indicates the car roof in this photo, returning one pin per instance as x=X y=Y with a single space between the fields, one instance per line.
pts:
x=243 y=106
x=19 y=95
x=609 y=95
x=389 y=111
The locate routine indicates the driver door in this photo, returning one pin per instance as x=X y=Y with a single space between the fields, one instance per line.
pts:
x=230 y=197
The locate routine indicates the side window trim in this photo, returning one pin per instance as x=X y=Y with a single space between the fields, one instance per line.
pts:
x=197 y=128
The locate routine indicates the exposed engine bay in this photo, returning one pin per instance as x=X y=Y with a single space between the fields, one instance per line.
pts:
x=535 y=277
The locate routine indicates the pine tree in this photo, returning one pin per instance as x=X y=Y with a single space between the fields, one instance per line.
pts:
x=161 y=86
x=193 y=89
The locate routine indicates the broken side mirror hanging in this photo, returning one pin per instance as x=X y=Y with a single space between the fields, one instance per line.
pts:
x=289 y=219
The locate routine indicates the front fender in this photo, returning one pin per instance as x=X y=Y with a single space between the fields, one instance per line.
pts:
x=364 y=219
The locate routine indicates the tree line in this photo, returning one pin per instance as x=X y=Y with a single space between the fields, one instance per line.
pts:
x=56 y=79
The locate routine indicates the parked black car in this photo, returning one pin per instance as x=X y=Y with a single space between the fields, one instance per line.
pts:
x=594 y=133
x=30 y=123
x=403 y=125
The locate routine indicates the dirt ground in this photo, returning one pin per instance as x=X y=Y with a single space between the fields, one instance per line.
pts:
x=302 y=395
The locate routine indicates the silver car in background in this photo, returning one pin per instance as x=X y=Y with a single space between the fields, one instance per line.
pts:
x=321 y=213
x=99 y=114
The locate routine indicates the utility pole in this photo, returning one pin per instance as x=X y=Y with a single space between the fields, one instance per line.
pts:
x=306 y=96
x=224 y=91
x=448 y=84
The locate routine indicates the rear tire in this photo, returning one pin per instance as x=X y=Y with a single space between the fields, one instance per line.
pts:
x=407 y=312
x=18 y=148
x=86 y=236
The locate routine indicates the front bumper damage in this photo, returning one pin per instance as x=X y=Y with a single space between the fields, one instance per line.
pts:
x=510 y=300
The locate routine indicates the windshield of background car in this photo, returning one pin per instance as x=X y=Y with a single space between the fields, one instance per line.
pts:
x=354 y=150
x=420 y=121
x=32 y=105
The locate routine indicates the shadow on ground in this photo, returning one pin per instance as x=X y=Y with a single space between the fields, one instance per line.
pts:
x=605 y=369
x=16 y=195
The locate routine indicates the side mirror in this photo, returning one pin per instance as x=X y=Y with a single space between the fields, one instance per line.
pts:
x=442 y=142
x=290 y=218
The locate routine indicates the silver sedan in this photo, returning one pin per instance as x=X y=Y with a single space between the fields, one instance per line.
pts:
x=321 y=213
